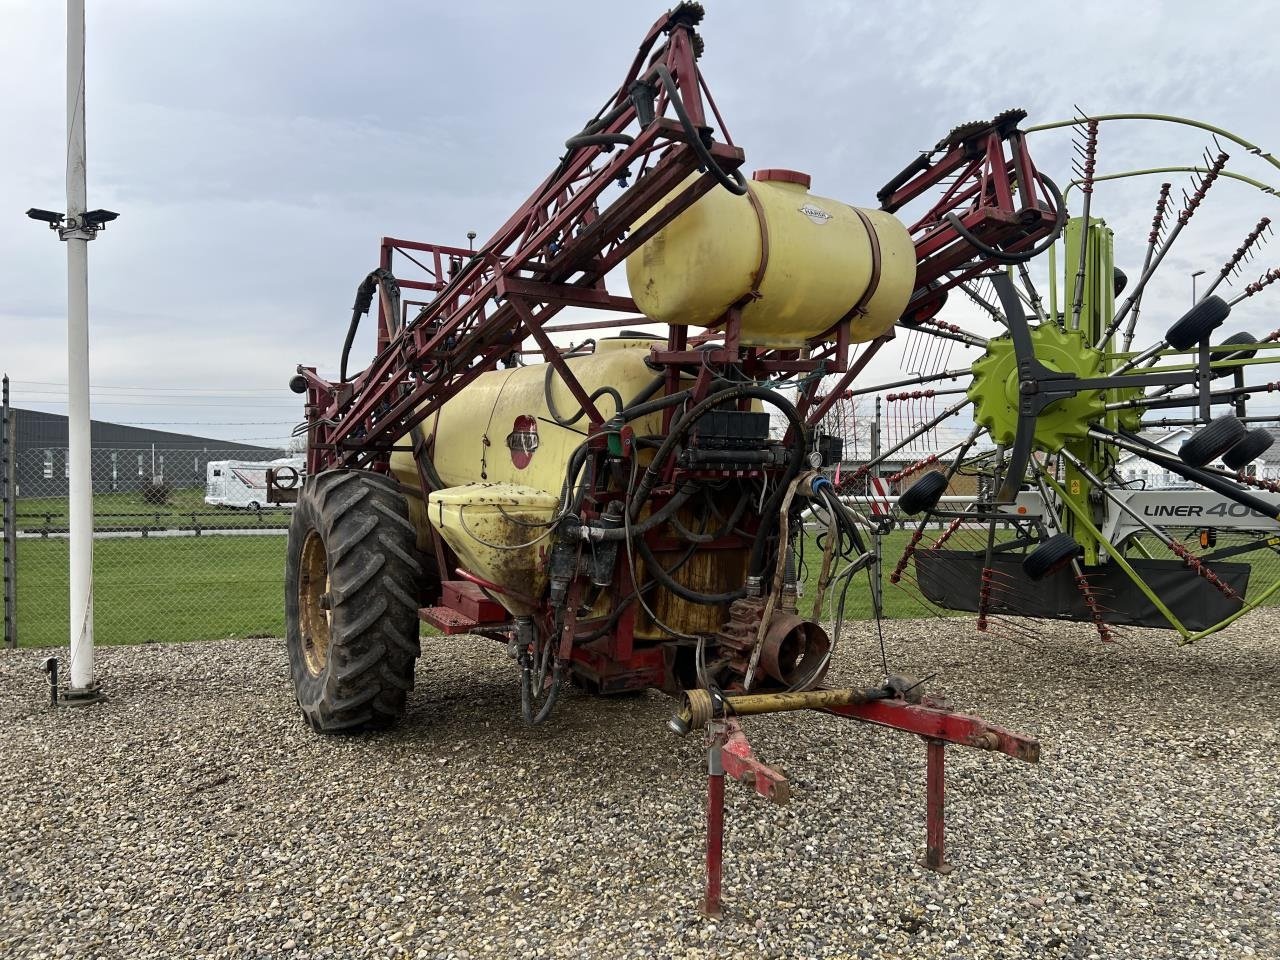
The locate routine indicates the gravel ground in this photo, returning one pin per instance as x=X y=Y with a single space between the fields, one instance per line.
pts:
x=193 y=815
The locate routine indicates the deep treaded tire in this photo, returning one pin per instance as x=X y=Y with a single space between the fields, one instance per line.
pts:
x=924 y=494
x=353 y=582
x=1211 y=441
x=1053 y=554
x=1197 y=323
x=1255 y=444
x=1236 y=339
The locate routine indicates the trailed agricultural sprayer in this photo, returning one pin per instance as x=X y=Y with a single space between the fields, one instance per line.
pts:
x=613 y=505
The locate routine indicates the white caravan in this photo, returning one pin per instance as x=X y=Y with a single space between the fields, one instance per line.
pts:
x=243 y=483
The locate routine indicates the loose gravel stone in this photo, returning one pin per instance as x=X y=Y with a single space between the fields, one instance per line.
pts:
x=193 y=814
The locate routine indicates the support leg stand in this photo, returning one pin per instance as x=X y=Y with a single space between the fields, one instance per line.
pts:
x=935 y=779
x=715 y=821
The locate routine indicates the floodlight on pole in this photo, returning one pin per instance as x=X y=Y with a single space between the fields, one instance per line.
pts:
x=1198 y=273
x=77 y=227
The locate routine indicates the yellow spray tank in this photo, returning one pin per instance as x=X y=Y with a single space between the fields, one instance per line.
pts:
x=504 y=458
x=797 y=263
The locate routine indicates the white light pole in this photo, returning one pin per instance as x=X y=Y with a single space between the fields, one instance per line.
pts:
x=1198 y=273
x=77 y=227
x=77 y=238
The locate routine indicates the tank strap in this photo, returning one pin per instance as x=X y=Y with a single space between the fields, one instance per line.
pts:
x=859 y=309
x=758 y=276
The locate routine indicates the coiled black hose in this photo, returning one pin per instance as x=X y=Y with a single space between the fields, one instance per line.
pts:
x=682 y=427
x=581 y=412
x=735 y=183
x=768 y=523
x=1023 y=256
x=735 y=515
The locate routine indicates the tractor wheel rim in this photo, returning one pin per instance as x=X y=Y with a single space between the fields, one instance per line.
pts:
x=315 y=620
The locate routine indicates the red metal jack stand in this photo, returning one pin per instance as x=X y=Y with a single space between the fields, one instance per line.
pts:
x=729 y=753
x=935 y=779
x=715 y=818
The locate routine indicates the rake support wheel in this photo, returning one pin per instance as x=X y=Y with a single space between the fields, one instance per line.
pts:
x=1211 y=441
x=924 y=494
x=353 y=581
x=1198 y=322
x=1255 y=444
x=1052 y=555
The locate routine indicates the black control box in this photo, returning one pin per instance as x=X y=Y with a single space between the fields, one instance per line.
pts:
x=731 y=430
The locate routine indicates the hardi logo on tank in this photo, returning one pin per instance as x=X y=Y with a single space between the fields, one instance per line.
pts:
x=522 y=441
x=814 y=213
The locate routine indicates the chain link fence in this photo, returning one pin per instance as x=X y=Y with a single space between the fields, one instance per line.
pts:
x=185 y=545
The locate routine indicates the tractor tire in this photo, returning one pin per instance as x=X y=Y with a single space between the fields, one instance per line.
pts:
x=1197 y=323
x=1235 y=339
x=1052 y=555
x=353 y=584
x=1255 y=444
x=1211 y=441
x=924 y=494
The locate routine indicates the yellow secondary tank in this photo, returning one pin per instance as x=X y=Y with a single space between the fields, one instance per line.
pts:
x=503 y=459
x=499 y=429
x=811 y=260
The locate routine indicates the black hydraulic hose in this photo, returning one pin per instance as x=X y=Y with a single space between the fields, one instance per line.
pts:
x=1022 y=256
x=659 y=573
x=571 y=475
x=526 y=694
x=654 y=385
x=364 y=300
x=681 y=427
x=735 y=183
x=630 y=598
x=596 y=395
x=356 y=313
x=655 y=519
x=638 y=410
x=768 y=513
x=688 y=535
x=599 y=140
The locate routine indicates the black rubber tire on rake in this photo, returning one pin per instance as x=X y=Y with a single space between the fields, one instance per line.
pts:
x=361 y=536
x=1050 y=556
x=1119 y=280
x=1212 y=440
x=1236 y=339
x=1198 y=322
x=1255 y=444
x=924 y=494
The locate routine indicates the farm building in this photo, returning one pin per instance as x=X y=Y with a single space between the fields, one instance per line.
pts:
x=1135 y=469
x=124 y=457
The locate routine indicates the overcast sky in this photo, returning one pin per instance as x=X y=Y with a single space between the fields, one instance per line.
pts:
x=257 y=151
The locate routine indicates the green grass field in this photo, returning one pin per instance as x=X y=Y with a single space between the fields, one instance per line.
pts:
x=157 y=590
x=162 y=590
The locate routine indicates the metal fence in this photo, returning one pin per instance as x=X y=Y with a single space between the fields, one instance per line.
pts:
x=185 y=545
